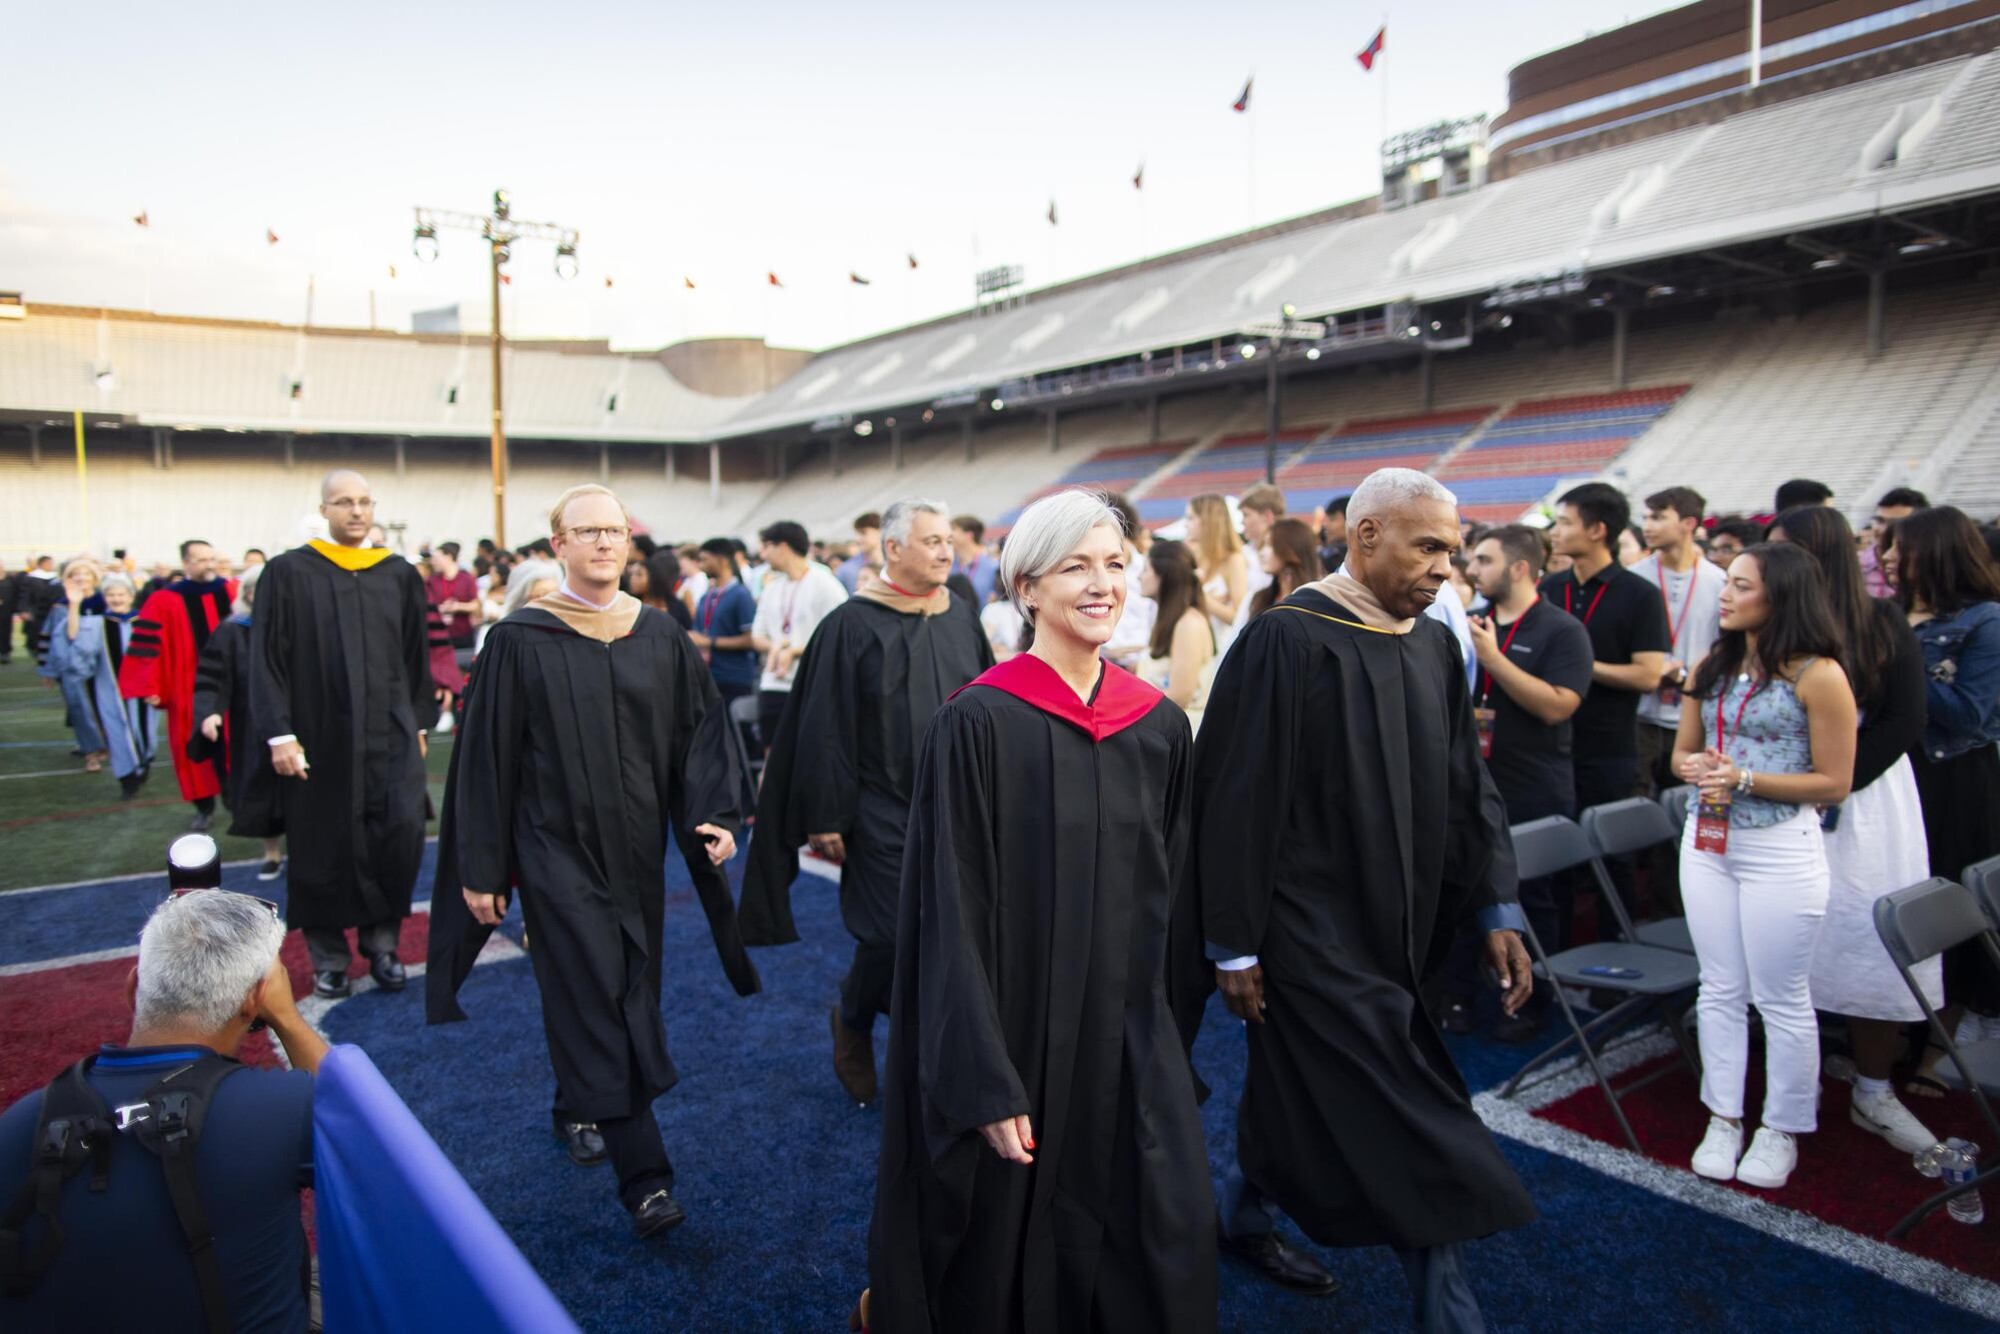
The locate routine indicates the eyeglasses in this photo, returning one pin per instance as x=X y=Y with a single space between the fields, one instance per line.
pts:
x=358 y=506
x=592 y=536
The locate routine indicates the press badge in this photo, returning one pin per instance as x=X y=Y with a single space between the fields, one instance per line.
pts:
x=1670 y=696
x=1483 y=719
x=1711 y=825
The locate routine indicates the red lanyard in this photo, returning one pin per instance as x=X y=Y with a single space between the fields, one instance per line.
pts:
x=1675 y=623
x=899 y=589
x=1485 y=677
x=1570 y=588
x=709 y=603
x=1721 y=737
x=791 y=600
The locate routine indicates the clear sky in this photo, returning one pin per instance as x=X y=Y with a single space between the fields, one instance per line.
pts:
x=710 y=142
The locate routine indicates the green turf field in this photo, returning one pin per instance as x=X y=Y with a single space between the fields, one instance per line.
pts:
x=58 y=823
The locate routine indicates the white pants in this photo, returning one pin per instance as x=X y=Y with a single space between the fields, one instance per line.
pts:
x=1755 y=913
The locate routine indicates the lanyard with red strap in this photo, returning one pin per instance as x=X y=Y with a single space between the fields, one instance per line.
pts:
x=1591 y=611
x=791 y=600
x=1486 y=677
x=709 y=602
x=1674 y=623
x=1722 y=737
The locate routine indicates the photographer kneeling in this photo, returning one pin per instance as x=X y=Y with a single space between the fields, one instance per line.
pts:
x=105 y=1220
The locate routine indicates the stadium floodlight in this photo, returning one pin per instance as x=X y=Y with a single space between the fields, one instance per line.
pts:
x=500 y=230
x=1288 y=310
x=864 y=428
x=1312 y=354
x=928 y=414
x=999 y=403
x=1927 y=242
x=1833 y=261
x=1247 y=351
x=1658 y=290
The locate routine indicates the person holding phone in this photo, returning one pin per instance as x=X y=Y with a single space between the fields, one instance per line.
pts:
x=590 y=727
x=1767 y=735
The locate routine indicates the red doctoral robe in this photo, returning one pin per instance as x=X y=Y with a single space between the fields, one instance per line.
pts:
x=167 y=639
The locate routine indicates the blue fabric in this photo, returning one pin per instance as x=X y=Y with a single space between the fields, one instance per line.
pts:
x=124 y=1262
x=102 y=718
x=1962 y=659
x=1447 y=608
x=1773 y=736
x=404 y=1244
x=720 y=615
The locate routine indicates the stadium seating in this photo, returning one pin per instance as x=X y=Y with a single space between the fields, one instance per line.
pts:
x=1338 y=461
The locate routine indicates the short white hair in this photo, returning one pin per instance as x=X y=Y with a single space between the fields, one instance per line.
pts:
x=900 y=517
x=1048 y=531
x=246 y=590
x=524 y=577
x=200 y=955
x=1388 y=489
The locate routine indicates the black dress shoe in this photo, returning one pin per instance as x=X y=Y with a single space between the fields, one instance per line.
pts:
x=1455 y=1015
x=331 y=985
x=656 y=1213
x=388 y=972
x=1281 y=1262
x=199 y=825
x=584 y=1141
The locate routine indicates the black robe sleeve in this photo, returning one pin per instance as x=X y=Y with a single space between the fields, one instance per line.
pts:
x=1894 y=725
x=811 y=778
x=270 y=675
x=215 y=675
x=1243 y=768
x=476 y=817
x=1190 y=976
x=1476 y=817
x=703 y=789
x=950 y=872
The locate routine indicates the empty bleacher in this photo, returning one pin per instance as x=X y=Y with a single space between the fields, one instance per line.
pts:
x=1520 y=458
x=1328 y=466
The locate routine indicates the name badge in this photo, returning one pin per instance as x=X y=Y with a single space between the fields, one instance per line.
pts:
x=1670 y=696
x=1711 y=825
x=1483 y=719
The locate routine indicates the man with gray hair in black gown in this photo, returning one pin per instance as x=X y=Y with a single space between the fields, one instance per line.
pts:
x=1344 y=827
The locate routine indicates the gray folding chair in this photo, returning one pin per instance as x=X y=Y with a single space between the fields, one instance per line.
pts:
x=748 y=743
x=1926 y=920
x=1659 y=976
x=1633 y=825
x=1983 y=879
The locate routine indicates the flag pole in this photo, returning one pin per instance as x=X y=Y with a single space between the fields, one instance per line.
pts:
x=82 y=483
x=1756 y=42
x=1250 y=176
x=1383 y=137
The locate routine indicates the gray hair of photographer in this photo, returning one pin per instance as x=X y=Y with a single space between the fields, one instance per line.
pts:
x=199 y=957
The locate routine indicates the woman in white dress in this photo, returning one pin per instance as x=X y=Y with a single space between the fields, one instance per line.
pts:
x=1874 y=839
x=1221 y=568
x=1182 y=657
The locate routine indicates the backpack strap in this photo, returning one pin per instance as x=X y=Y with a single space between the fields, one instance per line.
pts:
x=180 y=1104
x=74 y=1128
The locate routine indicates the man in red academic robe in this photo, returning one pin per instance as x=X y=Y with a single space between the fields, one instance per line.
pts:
x=167 y=639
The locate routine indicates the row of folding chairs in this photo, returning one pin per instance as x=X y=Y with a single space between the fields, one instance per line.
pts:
x=1653 y=968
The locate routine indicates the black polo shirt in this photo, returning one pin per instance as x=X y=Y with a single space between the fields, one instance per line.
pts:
x=124 y=1263
x=1530 y=762
x=1623 y=616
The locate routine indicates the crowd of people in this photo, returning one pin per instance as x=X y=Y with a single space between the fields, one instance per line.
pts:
x=1076 y=780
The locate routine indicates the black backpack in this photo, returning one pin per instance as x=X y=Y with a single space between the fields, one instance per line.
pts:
x=76 y=1127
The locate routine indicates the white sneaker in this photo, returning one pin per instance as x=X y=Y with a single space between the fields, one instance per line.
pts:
x=1720 y=1147
x=1773 y=1154
x=1887 y=1117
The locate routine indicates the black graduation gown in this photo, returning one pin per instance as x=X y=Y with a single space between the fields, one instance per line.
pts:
x=845 y=757
x=339 y=660
x=222 y=685
x=1344 y=827
x=571 y=759
x=1031 y=960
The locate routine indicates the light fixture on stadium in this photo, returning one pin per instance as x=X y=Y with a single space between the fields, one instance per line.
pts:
x=1830 y=261
x=1312 y=354
x=1288 y=310
x=1927 y=242
x=864 y=428
x=999 y=403
x=928 y=414
x=425 y=244
x=1247 y=351
x=503 y=204
x=565 y=261
x=1658 y=290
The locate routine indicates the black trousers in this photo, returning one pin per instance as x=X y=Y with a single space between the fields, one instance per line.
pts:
x=328 y=944
x=864 y=992
x=638 y=1154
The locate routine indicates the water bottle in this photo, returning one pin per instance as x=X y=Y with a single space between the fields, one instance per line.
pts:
x=1927 y=1161
x=1957 y=1167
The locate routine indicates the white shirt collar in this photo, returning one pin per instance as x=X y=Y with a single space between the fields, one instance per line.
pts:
x=575 y=596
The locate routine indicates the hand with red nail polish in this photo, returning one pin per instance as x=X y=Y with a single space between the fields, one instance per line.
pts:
x=1011 y=1139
